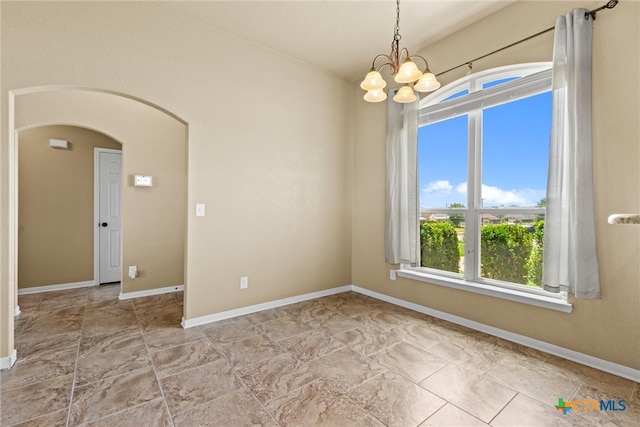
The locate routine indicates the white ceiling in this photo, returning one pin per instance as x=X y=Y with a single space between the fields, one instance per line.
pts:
x=340 y=36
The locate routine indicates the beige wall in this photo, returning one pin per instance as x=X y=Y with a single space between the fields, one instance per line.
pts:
x=608 y=328
x=252 y=145
x=153 y=219
x=55 y=232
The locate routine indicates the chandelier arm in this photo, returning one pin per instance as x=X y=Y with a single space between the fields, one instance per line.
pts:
x=382 y=55
x=404 y=51
x=389 y=62
x=384 y=65
x=426 y=64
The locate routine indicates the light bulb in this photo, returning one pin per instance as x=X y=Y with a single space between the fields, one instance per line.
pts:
x=427 y=83
x=408 y=72
x=373 y=81
x=405 y=95
x=376 y=95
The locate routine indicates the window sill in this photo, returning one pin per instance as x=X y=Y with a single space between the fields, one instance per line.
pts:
x=550 y=302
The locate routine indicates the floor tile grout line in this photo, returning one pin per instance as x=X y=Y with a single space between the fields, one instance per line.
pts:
x=106 y=353
x=193 y=368
x=436 y=393
x=237 y=374
x=120 y=411
x=464 y=410
x=352 y=400
x=446 y=402
x=320 y=378
x=324 y=355
x=153 y=366
x=455 y=406
x=575 y=391
x=113 y=377
x=528 y=395
x=75 y=370
x=433 y=373
x=582 y=381
x=317 y=380
x=156 y=351
x=503 y=408
x=555 y=371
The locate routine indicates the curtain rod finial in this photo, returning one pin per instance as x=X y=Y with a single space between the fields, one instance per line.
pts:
x=610 y=5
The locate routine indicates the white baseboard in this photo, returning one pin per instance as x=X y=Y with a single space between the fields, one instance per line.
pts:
x=51 y=288
x=7 y=362
x=202 y=320
x=584 y=359
x=150 y=292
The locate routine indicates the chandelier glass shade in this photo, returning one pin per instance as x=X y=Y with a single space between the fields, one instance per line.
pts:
x=405 y=94
x=403 y=69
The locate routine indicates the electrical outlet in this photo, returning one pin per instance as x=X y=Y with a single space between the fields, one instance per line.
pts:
x=392 y=274
x=244 y=282
x=133 y=271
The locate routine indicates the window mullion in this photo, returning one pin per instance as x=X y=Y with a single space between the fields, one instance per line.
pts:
x=471 y=234
x=477 y=190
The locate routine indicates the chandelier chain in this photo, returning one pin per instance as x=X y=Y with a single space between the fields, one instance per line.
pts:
x=395 y=44
x=396 y=33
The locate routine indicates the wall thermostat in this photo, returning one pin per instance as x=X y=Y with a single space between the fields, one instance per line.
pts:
x=142 y=181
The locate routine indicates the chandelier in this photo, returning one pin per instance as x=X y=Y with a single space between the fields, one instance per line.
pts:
x=404 y=70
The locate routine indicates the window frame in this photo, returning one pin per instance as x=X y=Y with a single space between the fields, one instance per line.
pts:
x=530 y=80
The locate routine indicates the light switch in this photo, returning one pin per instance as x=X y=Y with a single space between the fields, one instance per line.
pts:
x=199 y=209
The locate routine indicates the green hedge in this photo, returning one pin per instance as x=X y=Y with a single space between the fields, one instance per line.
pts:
x=439 y=246
x=534 y=264
x=511 y=253
x=505 y=252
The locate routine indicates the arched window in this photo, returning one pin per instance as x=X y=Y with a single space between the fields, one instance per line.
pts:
x=483 y=152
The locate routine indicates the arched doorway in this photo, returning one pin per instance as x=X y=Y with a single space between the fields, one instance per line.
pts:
x=156 y=144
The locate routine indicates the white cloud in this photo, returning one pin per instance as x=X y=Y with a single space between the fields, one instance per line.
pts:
x=443 y=187
x=495 y=196
x=442 y=193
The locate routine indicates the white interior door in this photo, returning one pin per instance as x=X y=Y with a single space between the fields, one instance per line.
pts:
x=109 y=212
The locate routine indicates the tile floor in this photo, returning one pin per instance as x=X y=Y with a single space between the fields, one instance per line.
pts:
x=86 y=358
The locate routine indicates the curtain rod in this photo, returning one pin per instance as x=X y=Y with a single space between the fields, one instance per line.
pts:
x=610 y=5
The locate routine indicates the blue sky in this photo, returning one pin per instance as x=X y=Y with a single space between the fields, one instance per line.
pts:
x=515 y=156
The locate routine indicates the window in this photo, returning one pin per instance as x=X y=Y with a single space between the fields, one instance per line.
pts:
x=483 y=152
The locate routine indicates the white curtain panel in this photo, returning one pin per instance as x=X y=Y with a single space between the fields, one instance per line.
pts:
x=402 y=236
x=570 y=258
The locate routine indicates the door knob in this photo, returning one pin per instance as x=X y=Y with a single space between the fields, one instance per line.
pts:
x=104 y=224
